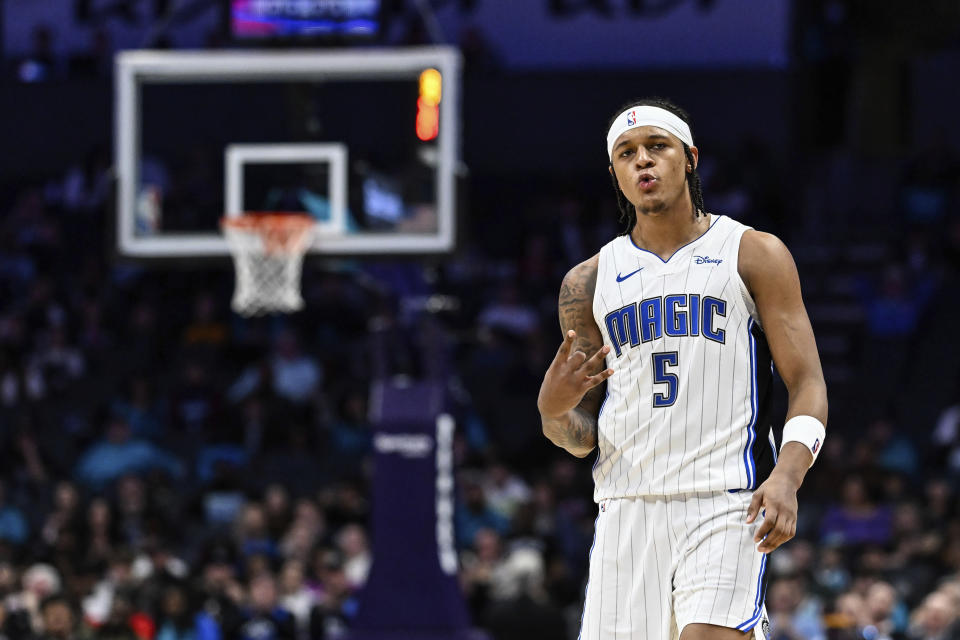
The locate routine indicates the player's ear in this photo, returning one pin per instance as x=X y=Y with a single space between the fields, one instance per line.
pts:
x=696 y=158
x=614 y=174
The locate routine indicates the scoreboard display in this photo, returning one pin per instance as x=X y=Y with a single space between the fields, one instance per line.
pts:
x=304 y=19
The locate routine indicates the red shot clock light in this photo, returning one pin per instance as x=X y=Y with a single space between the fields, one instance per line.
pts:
x=428 y=105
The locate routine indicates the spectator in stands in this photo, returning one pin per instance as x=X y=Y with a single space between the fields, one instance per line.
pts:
x=13 y=525
x=62 y=527
x=894 y=310
x=132 y=512
x=175 y=620
x=790 y=617
x=86 y=185
x=288 y=372
x=42 y=63
x=474 y=514
x=119 y=454
x=110 y=602
x=509 y=313
x=857 y=519
x=59 y=619
x=60 y=362
x=195 y=407
x=352 y=543
x=940 y=504
x=101 y=536
x=886 y=614
x=893 y=449
x=19 y=384
x=830 y=574
x=479 y=564
x=141 y=335
x=14 y=624
x=935 y=619
x=916 y=556
x=276 y=507
x=253 y=534
x=337 y=604
x=946 y=438
x=38 y=582
x=123 y=621
x=504 y=490
x=295 y=596
x=206 y=329
x=308 y=527
x=221 y=594
x=527 y=613
x=140 y=409
x=930 y=174
x=350 y=436
x=849 y=617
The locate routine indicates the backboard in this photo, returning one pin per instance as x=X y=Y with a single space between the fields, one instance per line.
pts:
x=340 y=134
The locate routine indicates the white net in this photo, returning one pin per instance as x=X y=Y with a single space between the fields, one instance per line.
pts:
x=268 y=257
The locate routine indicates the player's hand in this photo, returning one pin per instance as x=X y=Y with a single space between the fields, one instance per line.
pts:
x=777 y=499
x=570 y=376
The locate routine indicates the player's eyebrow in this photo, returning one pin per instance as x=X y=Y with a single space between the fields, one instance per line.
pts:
x=652 y=136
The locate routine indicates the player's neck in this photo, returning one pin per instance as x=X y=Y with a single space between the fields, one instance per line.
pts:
x=664 y=233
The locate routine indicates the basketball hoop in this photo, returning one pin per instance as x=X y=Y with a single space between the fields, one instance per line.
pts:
x=268 y=253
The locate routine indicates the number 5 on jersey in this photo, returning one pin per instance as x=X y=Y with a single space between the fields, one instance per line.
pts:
x=662 y=376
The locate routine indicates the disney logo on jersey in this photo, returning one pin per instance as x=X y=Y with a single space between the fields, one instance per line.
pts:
x=706 y=260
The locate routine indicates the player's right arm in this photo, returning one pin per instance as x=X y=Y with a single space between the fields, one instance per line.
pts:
x=574 y=385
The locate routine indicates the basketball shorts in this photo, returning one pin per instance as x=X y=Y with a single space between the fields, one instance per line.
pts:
x=659 y=563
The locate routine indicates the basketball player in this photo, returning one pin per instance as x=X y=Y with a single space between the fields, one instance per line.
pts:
x=665 y=368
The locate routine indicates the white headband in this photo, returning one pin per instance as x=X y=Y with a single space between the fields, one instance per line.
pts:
x=647 y=116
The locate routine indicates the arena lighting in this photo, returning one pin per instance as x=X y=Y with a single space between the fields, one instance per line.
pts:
x=428 y=105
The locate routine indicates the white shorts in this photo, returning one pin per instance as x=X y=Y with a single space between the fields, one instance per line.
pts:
x=659 y=563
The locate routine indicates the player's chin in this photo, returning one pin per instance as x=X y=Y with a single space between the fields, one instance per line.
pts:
x=649 y=205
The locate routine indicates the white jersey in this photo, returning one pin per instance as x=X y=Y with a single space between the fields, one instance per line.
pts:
x=687 y=409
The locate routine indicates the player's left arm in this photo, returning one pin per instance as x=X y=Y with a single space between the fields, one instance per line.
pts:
x=768 y=270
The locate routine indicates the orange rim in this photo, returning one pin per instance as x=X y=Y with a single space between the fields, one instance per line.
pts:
x=268 y=220
x=280 y=231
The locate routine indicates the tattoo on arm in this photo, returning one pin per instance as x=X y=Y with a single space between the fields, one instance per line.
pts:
x=576 y=432
x=579 y=431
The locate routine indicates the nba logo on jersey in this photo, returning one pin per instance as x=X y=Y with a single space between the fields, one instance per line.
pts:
x=816 y=445
x=631 y=118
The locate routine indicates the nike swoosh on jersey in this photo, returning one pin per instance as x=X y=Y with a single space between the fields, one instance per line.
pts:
x=622 y=278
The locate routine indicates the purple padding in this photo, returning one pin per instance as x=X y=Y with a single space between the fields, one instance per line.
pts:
x=407 y=595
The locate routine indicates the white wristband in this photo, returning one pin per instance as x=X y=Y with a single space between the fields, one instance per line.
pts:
x=806 y=430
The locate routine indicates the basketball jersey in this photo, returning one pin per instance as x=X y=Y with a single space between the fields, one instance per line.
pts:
x=687 y=408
